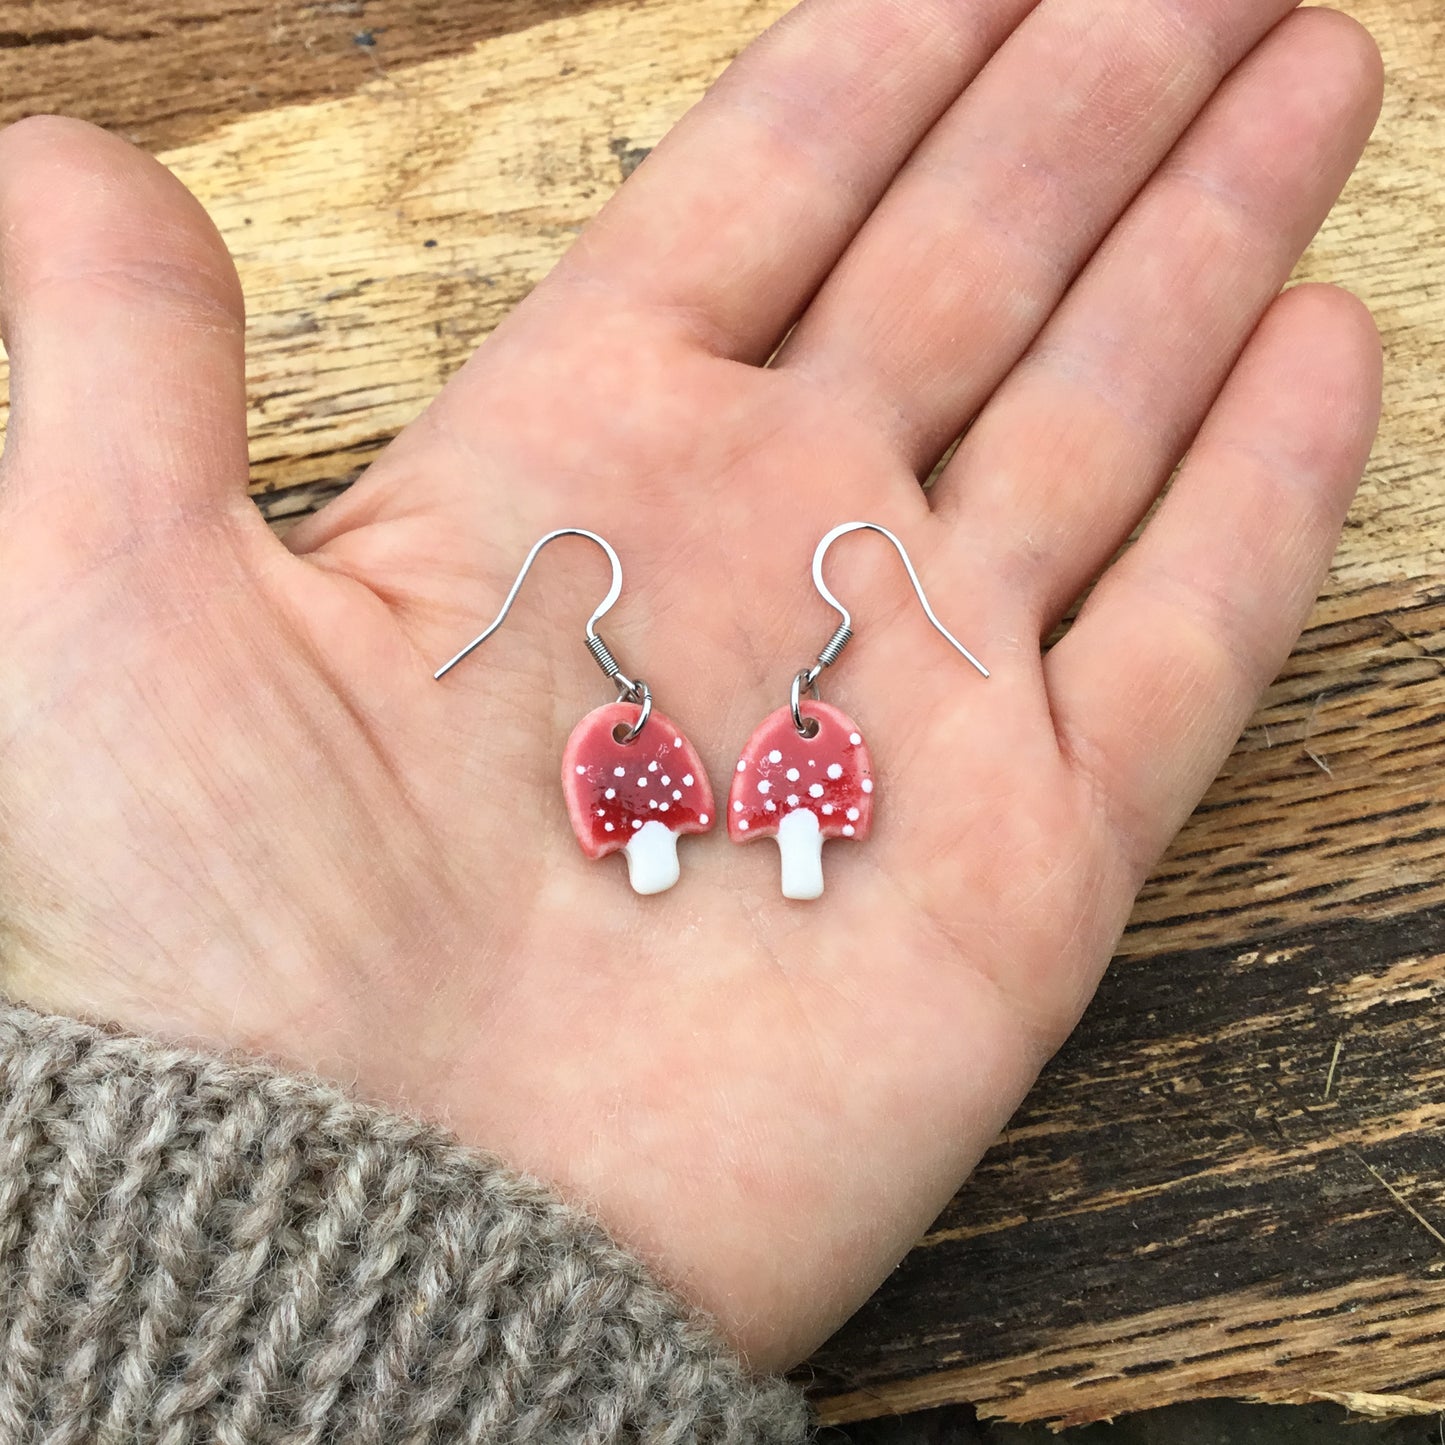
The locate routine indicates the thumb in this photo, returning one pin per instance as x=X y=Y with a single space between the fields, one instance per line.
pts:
x=123 y=318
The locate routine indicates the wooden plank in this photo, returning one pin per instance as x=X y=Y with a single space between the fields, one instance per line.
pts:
x=1234 y=1346
x=1331 y=805
x=1230 y=1181
x=166 y=71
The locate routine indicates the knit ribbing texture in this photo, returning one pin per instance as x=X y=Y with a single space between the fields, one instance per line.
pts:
x=195 y=1249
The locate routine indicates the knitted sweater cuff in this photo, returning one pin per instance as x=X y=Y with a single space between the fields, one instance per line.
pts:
x=197 y=1249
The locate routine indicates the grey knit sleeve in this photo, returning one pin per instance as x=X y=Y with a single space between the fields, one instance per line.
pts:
x=197 y=1250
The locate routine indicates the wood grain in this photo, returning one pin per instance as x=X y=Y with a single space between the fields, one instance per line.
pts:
x=1231 y=1182
x=162 y=72
x=1233 y=1179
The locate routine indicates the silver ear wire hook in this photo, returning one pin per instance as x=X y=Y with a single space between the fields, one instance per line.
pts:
x=833 y=648
x=628 y=690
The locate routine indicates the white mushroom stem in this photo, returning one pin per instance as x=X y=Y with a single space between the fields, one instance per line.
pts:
x=652 y=858
x=801 y=845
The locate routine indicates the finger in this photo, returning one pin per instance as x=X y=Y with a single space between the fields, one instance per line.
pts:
x=1070 y=452
x=733 y=221
x=720 y=237
x=984 y=229
x=122 y=314
x=1160 y=672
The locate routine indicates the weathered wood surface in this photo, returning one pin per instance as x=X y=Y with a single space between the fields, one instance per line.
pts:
x=1233 y=1179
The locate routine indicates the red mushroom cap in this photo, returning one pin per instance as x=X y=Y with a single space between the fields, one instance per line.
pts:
x=781 y=772
x=615 y=789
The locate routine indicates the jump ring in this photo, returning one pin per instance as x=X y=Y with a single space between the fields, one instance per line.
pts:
x=630 y=693
x=807 y=678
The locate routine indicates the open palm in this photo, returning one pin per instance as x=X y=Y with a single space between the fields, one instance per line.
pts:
x=234 y=805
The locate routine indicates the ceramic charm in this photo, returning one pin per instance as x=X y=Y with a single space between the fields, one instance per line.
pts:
x=805 y=775
x=635 y=797
x=632 y=781
x=802 y=790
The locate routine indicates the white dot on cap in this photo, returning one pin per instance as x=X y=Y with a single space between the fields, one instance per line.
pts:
x=663 y=807
x=792 y=800
x=637 y=822
x=852 y=815
x=677 y=742
x=610 y=793
x=652 y=802
x=848 y=830
x=619 y=772
x=666 y=781
x=835 y=770
x=775 y=756
x=867 y=785
x=602 y=812
x=652 y=766
x=742 y=825
x=609 y=827
x=742 y=765
x=687 y=780
x=770 y=806
x=580 y=770
x=816 y=791
x=793 y=775
x=642 y=781
x=737 y=807
x=677 y=795
x=854 y=739
x=765 y=786
x=702 y=818
x=827 y=810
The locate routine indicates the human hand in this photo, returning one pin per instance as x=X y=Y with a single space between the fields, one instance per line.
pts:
x=234 y=806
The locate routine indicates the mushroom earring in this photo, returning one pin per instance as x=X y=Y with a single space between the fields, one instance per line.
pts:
x=632 y=781
x=805 y=775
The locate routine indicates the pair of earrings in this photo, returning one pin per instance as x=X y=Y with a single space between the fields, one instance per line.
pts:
x=634 y=783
